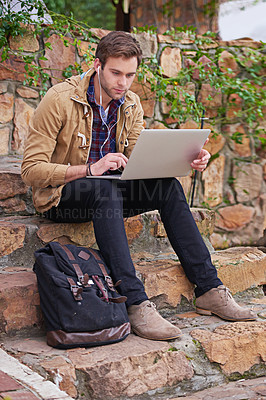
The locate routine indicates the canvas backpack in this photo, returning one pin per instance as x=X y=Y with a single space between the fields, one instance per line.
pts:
x=79 y=301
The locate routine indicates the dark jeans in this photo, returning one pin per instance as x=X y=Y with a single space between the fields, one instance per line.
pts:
x=106 y=202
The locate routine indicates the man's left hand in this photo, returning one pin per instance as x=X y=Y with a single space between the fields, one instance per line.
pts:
x=201 y=161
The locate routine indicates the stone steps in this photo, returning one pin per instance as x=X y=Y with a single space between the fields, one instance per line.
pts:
x=163 y=278
x=209 y=353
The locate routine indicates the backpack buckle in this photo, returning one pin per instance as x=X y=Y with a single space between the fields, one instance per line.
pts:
x=75 y=289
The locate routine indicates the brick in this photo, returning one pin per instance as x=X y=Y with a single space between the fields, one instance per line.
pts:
x=7 y=383
x=20 y=395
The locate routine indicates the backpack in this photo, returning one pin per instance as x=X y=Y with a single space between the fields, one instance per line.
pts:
x=79 y=302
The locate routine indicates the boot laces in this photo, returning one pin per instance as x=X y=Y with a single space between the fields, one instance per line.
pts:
x=227 y=293
x=150 y=305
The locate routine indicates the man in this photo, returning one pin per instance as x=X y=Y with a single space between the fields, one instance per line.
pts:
x=88 y=125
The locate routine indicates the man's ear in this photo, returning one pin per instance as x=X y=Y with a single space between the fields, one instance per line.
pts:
x=97 y=64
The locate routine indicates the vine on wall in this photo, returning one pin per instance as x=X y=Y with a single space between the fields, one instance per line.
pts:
x=242 y=92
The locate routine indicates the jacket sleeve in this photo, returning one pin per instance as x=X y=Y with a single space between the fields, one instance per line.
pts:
x=136 y=127
x=37 y=169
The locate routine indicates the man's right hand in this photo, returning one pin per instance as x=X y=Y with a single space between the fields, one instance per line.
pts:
x=110 y=161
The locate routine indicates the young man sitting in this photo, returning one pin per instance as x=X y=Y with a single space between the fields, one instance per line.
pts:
x=88 y=125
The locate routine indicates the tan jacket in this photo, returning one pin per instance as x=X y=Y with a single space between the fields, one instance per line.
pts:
x=60 y=135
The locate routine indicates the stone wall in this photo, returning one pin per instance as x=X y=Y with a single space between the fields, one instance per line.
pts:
x=164 y=15
x=232 y=184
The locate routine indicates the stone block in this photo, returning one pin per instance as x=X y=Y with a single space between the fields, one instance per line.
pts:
x=27 y=41
x=19 y=301
x=11 y=237
x=59 y=56
x=179 y=92
x=241 y=146
x=240 y=268
x=27 y=93
x=212 y=44
x=234 y=218
x=165 y=282
x=248 y=181
x=130 y=368
x=210 y=97
x=63 y=373
x=11 y=184
x=85 y=48
x=12 y=206
x=234 y=105
x=147 y=97
x=12 y=68
x=228 y=65
x=235 y=347
x=148 y=43
x=243 y=42
x=99 y=32
x=204 y=63
x=6 y=107
x=216 y=140
x=171 y=61
x=213 y=178
x=3 y=87
x=4 y=140
x=23 y=114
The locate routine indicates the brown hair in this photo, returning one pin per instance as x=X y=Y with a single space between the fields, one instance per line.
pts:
x=118 y=44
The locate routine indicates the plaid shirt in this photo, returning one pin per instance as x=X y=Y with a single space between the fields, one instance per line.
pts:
x=99 y=128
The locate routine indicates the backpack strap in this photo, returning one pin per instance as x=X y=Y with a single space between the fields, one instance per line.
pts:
x=100 y=262
x=75 y=289
x=83 y=278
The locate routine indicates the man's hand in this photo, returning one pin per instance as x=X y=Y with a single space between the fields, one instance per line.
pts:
x=201 y=161
x=110 y=161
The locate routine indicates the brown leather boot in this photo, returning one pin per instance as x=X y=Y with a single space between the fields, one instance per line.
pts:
x=147 y=322
x=219 y=301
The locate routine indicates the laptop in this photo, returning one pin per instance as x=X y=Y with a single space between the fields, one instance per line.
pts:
x=162 y=153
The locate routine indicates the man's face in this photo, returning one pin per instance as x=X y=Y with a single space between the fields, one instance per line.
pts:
x=117 y=76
